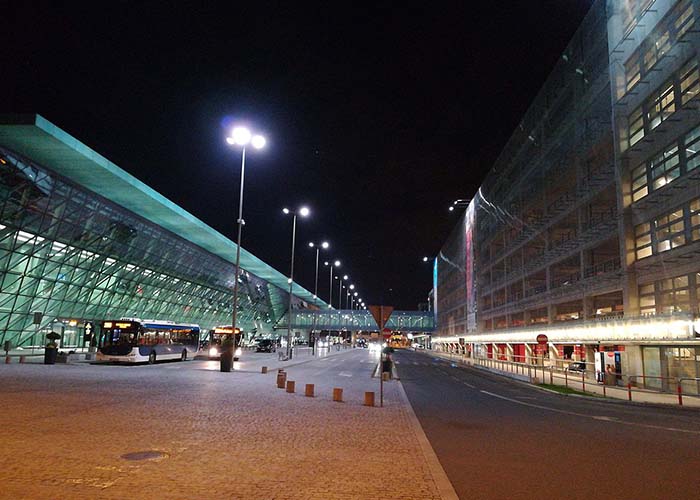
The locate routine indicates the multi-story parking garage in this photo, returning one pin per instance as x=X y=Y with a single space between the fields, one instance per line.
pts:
x=587 y=228
x=82 y=241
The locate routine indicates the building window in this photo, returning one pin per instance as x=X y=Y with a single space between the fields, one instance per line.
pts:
x=647 y=300
x=689 y=81
x=692 y=148
x=636 y=126
x=673 y=295
x=660 y=106
x=642 y=238
x=695 y=220
x=640 y=187
x=633 y=71
x=671 y=29
x=670 y=231
x=665 y=167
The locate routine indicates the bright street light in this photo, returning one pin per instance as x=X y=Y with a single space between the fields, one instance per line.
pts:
x=303 y=211
x=323 y=245
x=240 y=136
x=258 y=141
x=330 y=283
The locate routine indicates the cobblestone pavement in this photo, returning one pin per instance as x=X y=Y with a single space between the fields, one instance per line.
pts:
x=221 y=435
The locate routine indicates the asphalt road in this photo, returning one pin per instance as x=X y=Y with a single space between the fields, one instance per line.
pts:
x=500 y=439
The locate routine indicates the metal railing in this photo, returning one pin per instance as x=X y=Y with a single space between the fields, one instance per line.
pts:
x=538 y=372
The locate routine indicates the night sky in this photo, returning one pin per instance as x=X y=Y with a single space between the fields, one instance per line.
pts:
x=376 y=116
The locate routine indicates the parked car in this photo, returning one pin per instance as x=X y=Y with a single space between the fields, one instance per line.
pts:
x=265 y=345
x=577 y=366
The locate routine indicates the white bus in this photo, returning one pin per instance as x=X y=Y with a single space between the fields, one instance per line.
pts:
x=139 y=341
x=211 y=344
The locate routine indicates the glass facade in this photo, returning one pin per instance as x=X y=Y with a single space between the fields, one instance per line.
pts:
x=70 y=257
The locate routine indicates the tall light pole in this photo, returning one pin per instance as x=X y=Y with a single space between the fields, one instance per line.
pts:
x=331 y=265
x=325 y=245
x=340 y=290
x=303 y=212
x=241 y=136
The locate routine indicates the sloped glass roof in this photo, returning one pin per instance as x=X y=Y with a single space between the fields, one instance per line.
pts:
x=40 y=140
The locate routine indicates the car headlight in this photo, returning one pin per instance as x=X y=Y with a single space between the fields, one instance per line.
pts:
x=213 y=351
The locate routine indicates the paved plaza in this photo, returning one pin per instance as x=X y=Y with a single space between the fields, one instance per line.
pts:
x=68 y=431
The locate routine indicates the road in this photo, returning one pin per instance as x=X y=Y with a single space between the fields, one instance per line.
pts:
x=498 y=438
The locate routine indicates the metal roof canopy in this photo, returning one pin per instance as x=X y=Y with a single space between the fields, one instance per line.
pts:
x=36 y=138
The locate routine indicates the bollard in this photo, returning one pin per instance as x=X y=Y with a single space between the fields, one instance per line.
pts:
x=338 y=394
x=22 y=359
x=309 y=392
x=629 y=391
x=290 y=386
x=583 y=382
x=264 y=369
x=566 y=378
x=680 y=394
x=8 y=360
x=281 y=379
x=369 y=398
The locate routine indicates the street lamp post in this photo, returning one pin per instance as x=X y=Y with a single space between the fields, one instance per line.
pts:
x=304 y=212
x=330 y=284
x=325 y=246
x=241 y=136
x=340 y=290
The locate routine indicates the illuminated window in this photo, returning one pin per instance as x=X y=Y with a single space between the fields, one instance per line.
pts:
x=665 y=167
x=695 y=220
x=647 y=299
x=689 y=81
x=661 y=106
x=633 y=71
x=671 y=29
x=640 y=186
x=636 y=126
x=692 y=148
x=642 y=235
x=673 y=295
x=670 y=231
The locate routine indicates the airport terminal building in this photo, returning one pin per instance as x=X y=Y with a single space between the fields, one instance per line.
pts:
x=82 y=241
x=587 y=228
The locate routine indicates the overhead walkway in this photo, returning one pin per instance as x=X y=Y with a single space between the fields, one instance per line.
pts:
x=345 y=319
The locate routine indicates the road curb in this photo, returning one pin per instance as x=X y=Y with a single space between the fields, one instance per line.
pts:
x=442 y=482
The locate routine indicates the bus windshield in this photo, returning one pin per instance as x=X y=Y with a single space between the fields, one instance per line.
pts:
x=119 y=333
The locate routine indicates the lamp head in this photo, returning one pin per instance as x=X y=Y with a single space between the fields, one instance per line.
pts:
x=239 y=136
x=304 y=211
x=258 y=141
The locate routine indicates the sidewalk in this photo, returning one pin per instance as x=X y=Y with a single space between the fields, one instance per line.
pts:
x=574 y=381
x=209 y=434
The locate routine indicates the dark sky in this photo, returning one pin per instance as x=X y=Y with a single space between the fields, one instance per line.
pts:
x=377 y=116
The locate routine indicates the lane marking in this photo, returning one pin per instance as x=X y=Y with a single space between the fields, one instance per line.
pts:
x=592 y=417
x=345 y=374
x=468 y=384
